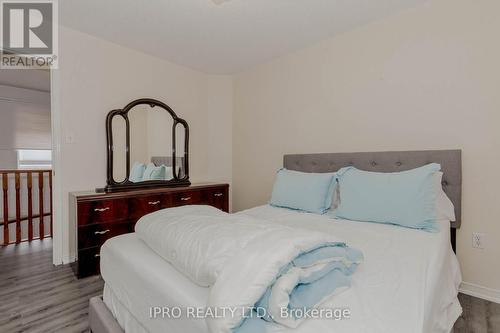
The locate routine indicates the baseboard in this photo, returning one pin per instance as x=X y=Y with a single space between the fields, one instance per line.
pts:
x=475 y=290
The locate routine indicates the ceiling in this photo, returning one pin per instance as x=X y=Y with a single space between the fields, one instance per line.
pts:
x=224 y=38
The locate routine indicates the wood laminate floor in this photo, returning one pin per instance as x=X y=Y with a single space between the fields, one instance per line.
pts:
x=37 y=297
x=479 y=316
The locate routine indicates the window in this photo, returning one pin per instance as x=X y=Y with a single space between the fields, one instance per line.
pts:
x=34 y=159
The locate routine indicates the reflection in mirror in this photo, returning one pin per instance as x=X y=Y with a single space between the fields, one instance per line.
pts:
x=180 y=137
x=119 y=127
x=150 y=135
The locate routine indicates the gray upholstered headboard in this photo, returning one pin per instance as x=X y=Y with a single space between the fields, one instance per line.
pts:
x=450 y=160
x=167 y=160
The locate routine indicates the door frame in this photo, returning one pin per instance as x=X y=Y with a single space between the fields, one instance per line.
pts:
x=58 y=257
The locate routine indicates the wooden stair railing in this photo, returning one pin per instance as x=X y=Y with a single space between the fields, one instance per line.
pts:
x=30 y=217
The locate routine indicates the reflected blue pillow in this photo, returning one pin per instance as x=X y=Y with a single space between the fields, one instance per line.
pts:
x=137 y=172
x=169 y=174
x=309 y=192
x=153 y=172
x=404 y=198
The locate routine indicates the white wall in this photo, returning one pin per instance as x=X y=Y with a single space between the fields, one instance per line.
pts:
x=428 y=78
x=96 y=76
x=220 y=97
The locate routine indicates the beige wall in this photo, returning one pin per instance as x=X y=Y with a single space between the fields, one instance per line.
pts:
x=96 y=76
x=428 y=78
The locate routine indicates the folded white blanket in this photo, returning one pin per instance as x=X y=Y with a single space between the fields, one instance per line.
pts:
x=198 y=240
x=243 y=259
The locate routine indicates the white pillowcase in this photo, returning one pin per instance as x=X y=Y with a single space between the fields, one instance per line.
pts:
x=444 y=207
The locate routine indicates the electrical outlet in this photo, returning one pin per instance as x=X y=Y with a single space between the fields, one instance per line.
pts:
x=478 y=240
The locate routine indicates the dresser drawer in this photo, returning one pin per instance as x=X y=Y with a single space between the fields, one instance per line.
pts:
x=141 y=206
x=101 y=216
x=218 y=197
x=102 y=211
x=97 y=234
x=88 y=262
x=189 y=198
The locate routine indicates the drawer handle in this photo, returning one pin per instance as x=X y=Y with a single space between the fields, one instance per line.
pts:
x=218 y=194
x=97 y=255
x=102 y=232
x=186 y=198
x=152 y=203
x=101 y=209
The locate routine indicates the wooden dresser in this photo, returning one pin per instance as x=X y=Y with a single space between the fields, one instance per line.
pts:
x=100 y=216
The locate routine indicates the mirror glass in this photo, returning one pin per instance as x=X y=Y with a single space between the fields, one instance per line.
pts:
x=150 y=144
x=180 y=135
x=119 y=127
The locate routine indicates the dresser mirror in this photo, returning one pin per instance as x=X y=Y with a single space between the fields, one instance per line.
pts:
x=147 y=147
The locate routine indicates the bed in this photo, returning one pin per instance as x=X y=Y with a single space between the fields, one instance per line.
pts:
x=408 y=282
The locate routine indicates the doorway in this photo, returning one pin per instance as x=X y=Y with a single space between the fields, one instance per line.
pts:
x=26 y=198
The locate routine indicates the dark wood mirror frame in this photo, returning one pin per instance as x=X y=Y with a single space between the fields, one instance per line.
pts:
x=114 y=186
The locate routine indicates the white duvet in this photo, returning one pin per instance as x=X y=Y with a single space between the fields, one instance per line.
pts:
x=408 y=282
x=240 y=257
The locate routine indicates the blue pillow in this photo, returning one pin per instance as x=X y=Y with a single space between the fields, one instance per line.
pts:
x=137 y=172
x=153 y=172
x=309 y=192
x=404 y=198
x=169 y=174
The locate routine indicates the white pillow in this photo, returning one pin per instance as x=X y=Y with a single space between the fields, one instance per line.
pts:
x=444 y=207
x=169 y=173
x=335 y=198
